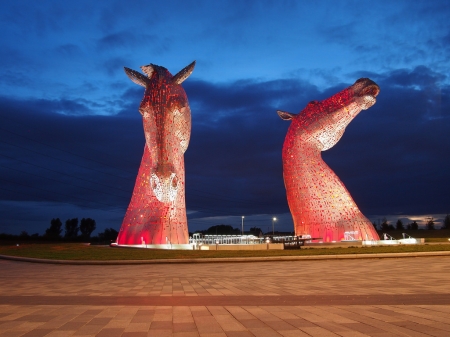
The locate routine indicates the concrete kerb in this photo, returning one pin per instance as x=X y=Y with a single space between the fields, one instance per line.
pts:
x=236 y=259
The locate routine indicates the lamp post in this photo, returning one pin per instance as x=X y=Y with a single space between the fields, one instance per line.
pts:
x=273 y=225
x=242 y=231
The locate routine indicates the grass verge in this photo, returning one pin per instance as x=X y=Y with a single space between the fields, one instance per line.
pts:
x=76 y=251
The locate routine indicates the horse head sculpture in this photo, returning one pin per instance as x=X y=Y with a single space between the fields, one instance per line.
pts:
x=320 y=204
x=158 y=203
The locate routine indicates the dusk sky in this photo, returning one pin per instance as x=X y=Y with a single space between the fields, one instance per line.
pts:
x=71 y=136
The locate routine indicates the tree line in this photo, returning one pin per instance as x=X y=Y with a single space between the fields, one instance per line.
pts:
x=229 y=230
x=430 y=225
x=74 y=231
x=87 y=226
x=83 y=231
x=71 y=229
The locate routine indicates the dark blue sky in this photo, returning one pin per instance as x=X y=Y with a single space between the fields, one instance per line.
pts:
x=71 y=137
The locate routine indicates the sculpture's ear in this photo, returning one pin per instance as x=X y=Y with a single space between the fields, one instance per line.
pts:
x=286 y=116
x=136 y=77
x=183 y=73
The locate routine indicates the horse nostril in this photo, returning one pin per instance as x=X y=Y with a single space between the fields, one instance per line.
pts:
x=371 y=90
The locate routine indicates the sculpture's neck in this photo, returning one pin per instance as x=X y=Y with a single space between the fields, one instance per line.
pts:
x=303 y=166
x=308 y=178
x=163 y=221
x=301 y=149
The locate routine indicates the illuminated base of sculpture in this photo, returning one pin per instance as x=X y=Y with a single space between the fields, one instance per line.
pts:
x=411 y=241
x=163 y=246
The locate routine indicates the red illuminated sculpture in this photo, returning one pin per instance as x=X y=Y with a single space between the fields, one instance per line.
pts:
x=157 y=211
x=320 y=204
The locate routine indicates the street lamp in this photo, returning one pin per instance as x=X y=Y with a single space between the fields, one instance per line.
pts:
x=273 y=225
x=242 y=232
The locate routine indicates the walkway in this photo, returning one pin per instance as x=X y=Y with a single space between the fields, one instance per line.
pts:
x=375 y=297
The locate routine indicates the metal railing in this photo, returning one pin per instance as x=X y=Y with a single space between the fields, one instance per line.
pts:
x=225 y=239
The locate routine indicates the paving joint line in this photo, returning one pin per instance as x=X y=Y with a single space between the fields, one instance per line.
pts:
x=234 y=300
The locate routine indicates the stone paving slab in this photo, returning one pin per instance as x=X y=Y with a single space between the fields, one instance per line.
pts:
x=224 y=321
x=377 y=297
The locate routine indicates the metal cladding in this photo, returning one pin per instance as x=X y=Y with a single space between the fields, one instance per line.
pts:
x=319 y=203
x=157 y=210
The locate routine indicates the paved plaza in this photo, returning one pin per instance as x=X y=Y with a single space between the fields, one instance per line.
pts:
x=370 y=297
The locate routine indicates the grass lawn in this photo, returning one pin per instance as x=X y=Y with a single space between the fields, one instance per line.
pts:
x=77 y=251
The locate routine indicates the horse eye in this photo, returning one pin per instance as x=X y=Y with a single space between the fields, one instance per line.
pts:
x=145 y=113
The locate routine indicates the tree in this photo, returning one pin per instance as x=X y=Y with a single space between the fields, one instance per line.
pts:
x=430 y=224
x=385 y=225
x=71 y=228
x=24 y=235
x=222 y=230
x=109 y=235
x=399 y=225
x=414 y=225
x=375 y=225
x=54 y=231
x=256 y=231
x=446 y=224
x=87 y=226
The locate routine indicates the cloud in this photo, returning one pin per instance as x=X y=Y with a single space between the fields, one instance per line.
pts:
x=246 y=97
x=67 y=158
x=128 y=39
x=421 y=77
x=390 y=36
x=116 y=40
x=68 y=50
x=113 y=65
x=340 y=34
